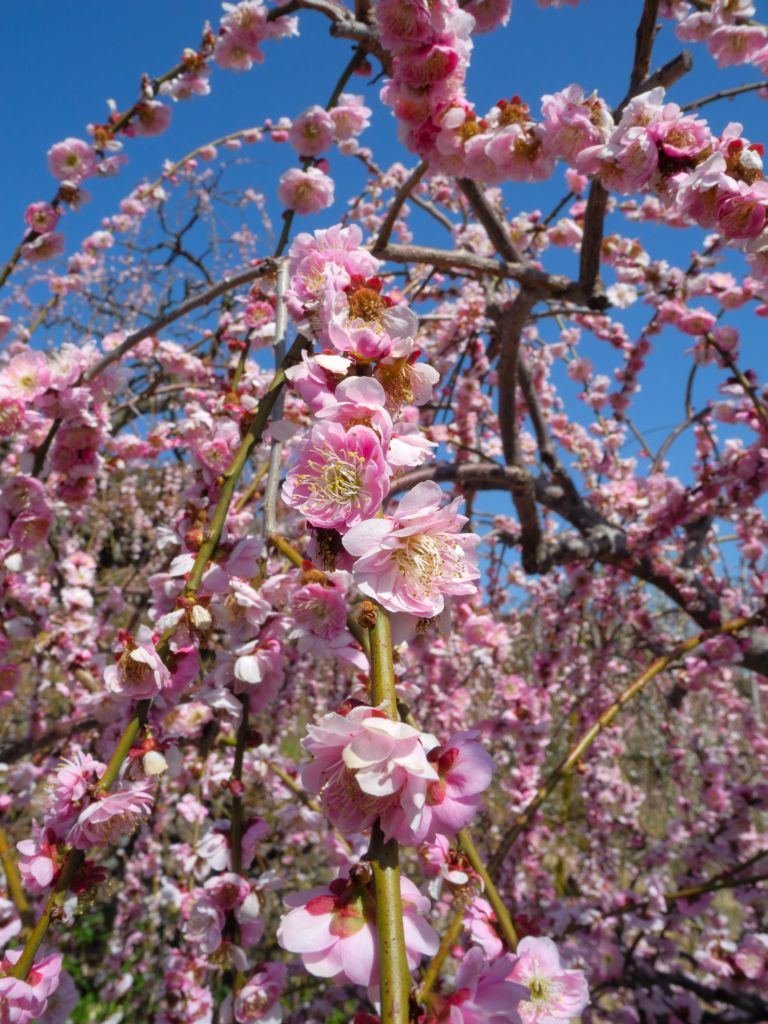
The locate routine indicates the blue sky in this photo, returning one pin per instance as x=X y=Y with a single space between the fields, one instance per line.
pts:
x=64 y=61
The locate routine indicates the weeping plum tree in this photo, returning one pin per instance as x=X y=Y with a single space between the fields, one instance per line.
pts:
x=361 y=658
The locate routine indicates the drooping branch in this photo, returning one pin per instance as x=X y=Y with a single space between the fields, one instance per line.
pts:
x=578 y=750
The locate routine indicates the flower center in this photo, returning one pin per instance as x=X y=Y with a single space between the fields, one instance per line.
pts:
x=421 y=559
x=366 y=304
x=339 y=482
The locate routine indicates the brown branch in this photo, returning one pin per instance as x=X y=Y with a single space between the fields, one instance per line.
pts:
x=592 y=238
x=597 y=540
x=227 y=284
x=546 y=285
x=489 y=218
x=385 y=231
x=15 y=750
x=725 y=94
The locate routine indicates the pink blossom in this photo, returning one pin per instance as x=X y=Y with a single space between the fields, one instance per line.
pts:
x=334 y=929
x=572 y=122
x=489 y=14
x=152 y=118
x=72 y=160
x=203 y=919
x=414 y=559
x=111 y=816
x=44 y=247
x=556 y=995
x=312 y=132
x=38 y=860
x=71 y=783
x=478 y=920
x=320 y=608
x=360 y=400
x=464 y=770
x=350 y=117
x=305 y=191
x=41 y=217
x=741 y=210
x=139 y=672
x=361 y=320
x=26 y=376
x=366 y=766
x=316 y=377
x=61 y=1002
x=736 y=44
x=259 y=999
x=484 y=994
x=24 y=1001
x=696 y=321
x=340 y=477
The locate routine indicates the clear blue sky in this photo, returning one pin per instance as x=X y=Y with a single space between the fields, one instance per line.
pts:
x=62 y=61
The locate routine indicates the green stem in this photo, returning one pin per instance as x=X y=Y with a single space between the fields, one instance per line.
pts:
x=237 y=776
x=468 y=848
x=232 y=475
x=394 y=975
x=432 y=972
x=13 y=879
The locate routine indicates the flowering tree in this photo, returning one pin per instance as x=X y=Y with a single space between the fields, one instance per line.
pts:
x=350 y=666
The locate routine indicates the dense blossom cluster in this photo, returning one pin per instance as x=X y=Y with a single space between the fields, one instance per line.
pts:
x=201 y=766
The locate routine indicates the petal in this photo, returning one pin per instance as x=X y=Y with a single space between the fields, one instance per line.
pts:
x=366 y=537
x=301 y=932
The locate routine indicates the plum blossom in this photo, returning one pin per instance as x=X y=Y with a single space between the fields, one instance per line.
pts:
x=152 y=118
x=360 y=320
x=72 y=160
x=483 y=994
x=305 y=191
x=464 y=771
x=259 y=998
x=38 y=859
x=25 y=1001
x=367 y=766
x=413 y=560
x=350 y=117
x=26 y=376
x=312 y=132
x=139 y=672
x=111 y=816
x=340 y=478
x=41 y=217
x=556 y=995
x=333 y=928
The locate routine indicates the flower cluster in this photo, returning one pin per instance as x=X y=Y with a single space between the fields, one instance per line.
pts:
x=412 y=560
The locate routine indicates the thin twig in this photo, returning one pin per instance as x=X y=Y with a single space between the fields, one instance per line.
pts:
x=385 y=231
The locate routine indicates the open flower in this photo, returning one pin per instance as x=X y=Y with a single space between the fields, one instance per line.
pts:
x=411 y=561
x=556 y=995
x=139 y=672
x=464 y=770
x=340 y=478
x=367 y=766
x=333 y=928
x=259 y=999
x=112 y=816
x=484 y=994
x=305 y=191
x=24 y=1001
